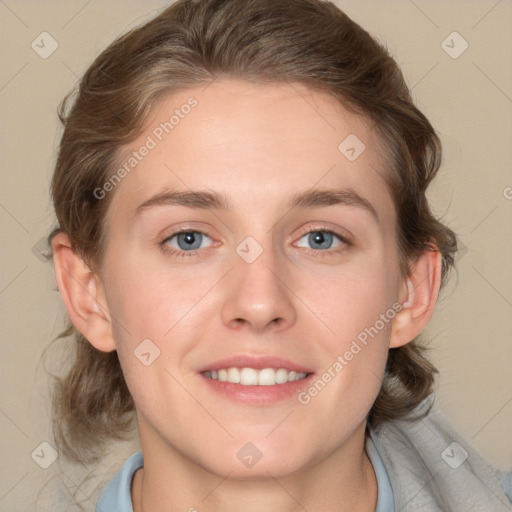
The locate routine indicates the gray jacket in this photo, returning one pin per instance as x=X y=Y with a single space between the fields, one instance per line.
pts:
x=433 y=469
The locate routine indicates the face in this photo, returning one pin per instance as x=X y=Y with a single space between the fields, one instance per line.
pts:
x=248 y=235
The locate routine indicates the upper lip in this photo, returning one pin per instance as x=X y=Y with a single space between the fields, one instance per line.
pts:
x=257 y=362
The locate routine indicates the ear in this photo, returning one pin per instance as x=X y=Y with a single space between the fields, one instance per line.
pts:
x=83 y=295
x=418 y=296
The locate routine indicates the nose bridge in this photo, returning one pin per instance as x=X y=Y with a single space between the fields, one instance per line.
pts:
x=256 y=295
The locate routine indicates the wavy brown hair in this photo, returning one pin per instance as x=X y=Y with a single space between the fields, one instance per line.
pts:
x=192 y=42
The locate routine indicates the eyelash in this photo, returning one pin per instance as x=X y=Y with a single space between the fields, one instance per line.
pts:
x=346 y=242
x=175 y=252
x=328 y=252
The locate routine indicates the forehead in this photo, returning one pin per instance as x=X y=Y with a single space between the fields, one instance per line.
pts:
x=257 y=144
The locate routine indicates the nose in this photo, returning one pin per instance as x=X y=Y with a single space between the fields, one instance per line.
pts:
x=257 y=296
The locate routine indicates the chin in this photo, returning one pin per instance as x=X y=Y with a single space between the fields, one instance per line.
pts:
x=257 y=460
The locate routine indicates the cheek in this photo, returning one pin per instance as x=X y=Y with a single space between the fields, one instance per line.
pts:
x=158 y=313
x=151 y=302
x=356 y=307
x=149 y=312
x=354 y=354
x=349 y=300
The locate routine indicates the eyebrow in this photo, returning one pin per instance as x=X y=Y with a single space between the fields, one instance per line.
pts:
x=213 y=200
x=206 y=200
x=330 y=197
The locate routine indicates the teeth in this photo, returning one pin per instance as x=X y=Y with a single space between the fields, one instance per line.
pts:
x=266 y=377
x=252 y=377
x=248 y=377
x=233 y=375
x=281 y=376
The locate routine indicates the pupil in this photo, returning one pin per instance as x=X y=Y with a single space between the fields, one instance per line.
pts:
x=320 y=239
x=190 y=240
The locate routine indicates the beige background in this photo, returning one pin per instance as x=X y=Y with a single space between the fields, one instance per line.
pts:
x=468 y=100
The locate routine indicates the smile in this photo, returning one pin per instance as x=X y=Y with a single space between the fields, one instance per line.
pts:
x=253 y=377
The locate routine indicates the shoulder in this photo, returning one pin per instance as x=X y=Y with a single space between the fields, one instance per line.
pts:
x=431 y=467
x=116 y=496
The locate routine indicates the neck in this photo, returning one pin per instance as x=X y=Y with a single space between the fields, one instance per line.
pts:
x=342 y=481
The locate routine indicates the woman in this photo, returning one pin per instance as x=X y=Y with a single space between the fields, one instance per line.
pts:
x=247 y=256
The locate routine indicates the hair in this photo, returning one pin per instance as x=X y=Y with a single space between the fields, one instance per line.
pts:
x=192 y=42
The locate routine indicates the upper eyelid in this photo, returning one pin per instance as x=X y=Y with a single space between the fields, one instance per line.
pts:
x=185 y=229
x=303 y=231
x=181 y=231
x=345 y=238
x=316 y=230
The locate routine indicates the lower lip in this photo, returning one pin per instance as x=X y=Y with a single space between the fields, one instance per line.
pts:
x=258 y=394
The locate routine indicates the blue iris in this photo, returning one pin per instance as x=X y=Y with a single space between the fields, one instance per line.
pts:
x=320 y=240
x=189 y=241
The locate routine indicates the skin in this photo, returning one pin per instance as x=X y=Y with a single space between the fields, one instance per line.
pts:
x=257 y=145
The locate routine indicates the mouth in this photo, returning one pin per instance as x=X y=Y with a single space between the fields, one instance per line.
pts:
x=255 y=377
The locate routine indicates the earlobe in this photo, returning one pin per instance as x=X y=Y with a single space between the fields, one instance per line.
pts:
x=418 y=298
x=82 y=292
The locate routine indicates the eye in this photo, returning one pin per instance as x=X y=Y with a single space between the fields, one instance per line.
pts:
x=187 y=241
x=321 y=240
